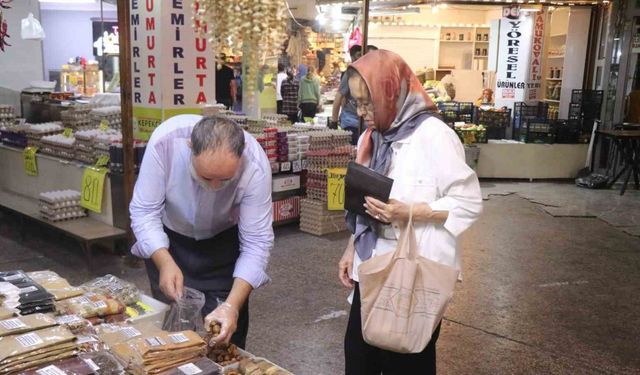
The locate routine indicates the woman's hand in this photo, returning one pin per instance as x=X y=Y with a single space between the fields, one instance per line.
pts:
x=345 y=266
x=393 y=211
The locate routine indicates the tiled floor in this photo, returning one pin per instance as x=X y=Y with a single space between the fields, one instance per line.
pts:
x=549 y=287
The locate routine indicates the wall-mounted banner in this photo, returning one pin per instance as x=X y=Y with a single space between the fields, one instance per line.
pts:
x=173 y=69
x=514 y=53
x=535 y=70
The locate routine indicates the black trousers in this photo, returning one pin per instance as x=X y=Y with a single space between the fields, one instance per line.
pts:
x=309 y=109
x=207 y=266
x=364 y=359
x=279 y=107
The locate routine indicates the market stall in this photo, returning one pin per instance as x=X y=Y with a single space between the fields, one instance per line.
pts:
x=108 y=326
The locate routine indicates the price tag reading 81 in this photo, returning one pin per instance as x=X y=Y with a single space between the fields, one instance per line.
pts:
x=335 y=188
x=92 y=188
x=30 y=161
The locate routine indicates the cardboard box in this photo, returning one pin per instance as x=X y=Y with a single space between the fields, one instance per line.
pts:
x=285 y=183
x=286 y=209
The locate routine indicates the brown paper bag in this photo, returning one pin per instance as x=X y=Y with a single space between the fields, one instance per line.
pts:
x=403 y=296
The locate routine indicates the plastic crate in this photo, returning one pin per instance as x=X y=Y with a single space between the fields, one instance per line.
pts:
x=587 y=96
x=575 y=111
x=538 y=132
x=567 y=131
x=449 y=106
x=493 y=119
x=466 y=108
x=495 y=133
x=523 y=112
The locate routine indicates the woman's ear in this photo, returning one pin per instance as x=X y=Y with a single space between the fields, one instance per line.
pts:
x=189 y=144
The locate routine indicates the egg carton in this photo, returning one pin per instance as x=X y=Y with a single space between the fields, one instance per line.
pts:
x=55 y=197
x=321 y=230
x=58 y=140
x=64 y=217
x=47 y=210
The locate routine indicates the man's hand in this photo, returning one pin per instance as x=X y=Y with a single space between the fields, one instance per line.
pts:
x=171 y=279
x=227 y=316
x=345 y=266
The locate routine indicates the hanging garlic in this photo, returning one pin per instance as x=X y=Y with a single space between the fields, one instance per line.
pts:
x=258 y=26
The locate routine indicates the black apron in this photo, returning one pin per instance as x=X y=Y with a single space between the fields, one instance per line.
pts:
x=207 y=265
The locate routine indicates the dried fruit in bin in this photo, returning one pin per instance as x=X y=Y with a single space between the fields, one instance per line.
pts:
x=225 y=354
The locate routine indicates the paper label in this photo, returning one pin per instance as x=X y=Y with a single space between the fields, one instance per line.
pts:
x=50 y=370
x=68 y=319
x=92 y=188
x=178 y=338
x=68 y=132
x=285 y=167
x=13 y=277
x=130 y=332
x=190 y=369
x=104 y=125
x=85 y=339
x=131 y=312
x=29 y=289
x=102 y=161
x=335 y=188
x=100 y=304
x=155 y=341
x=91 y=364
x=296 y=165
x=30 y=161
x=10 y=324
x=144 y=306
x=82 y=300
x=28 y=340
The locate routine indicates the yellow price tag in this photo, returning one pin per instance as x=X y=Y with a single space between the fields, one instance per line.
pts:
x=92 y=188
x=30 y=161
x=335 y=188
x=68 y=132
x=131 y=312
x=104 y=125
x=144 y=306
x=102 y=161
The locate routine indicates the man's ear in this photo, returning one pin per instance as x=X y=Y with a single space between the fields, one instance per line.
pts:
x=189 y=144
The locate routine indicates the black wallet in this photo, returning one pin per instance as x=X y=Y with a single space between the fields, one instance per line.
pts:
x=361 y=182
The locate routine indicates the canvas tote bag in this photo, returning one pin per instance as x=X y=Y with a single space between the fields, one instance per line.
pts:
x=403 y=296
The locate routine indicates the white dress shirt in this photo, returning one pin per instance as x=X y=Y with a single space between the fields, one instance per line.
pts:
x=279 y=79
x=429 y=167
x=167 y=195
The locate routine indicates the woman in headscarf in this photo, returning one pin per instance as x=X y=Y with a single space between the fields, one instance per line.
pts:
x=405 y=141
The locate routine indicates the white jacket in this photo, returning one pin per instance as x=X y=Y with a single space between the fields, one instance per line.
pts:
x=429 y=167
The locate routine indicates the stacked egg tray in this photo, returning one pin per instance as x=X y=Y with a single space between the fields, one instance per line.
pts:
x=35 y=132
x=7 y=115
x=112 y=116
x=93 y=143
x=77 y=117
x=277 y=120
x=14 y=135
x=59 y=146
x=59 y=205
x=256 y=126
x=316 y=219
x=317 y=164
x=327 y=139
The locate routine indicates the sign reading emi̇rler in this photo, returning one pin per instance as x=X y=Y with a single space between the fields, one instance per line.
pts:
x=173 y=69
x=519 y=54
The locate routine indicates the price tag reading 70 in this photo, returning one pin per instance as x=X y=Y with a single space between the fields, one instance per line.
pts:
x=92 y=188
x=335 y=188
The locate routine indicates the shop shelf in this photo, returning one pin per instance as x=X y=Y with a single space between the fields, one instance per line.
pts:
x=553 y=79
x=587 y=96
x=556 y=57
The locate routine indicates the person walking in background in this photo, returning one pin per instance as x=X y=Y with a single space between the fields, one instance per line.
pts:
x=225 y=85
x=309 y=94
x=289 y=92
x=279 y=79
x=237 y=106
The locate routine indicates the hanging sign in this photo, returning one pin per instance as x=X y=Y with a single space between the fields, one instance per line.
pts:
x=335 y=188
x=92 y=188
x=535 y=69
x=30 y=161
x=514 y=53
